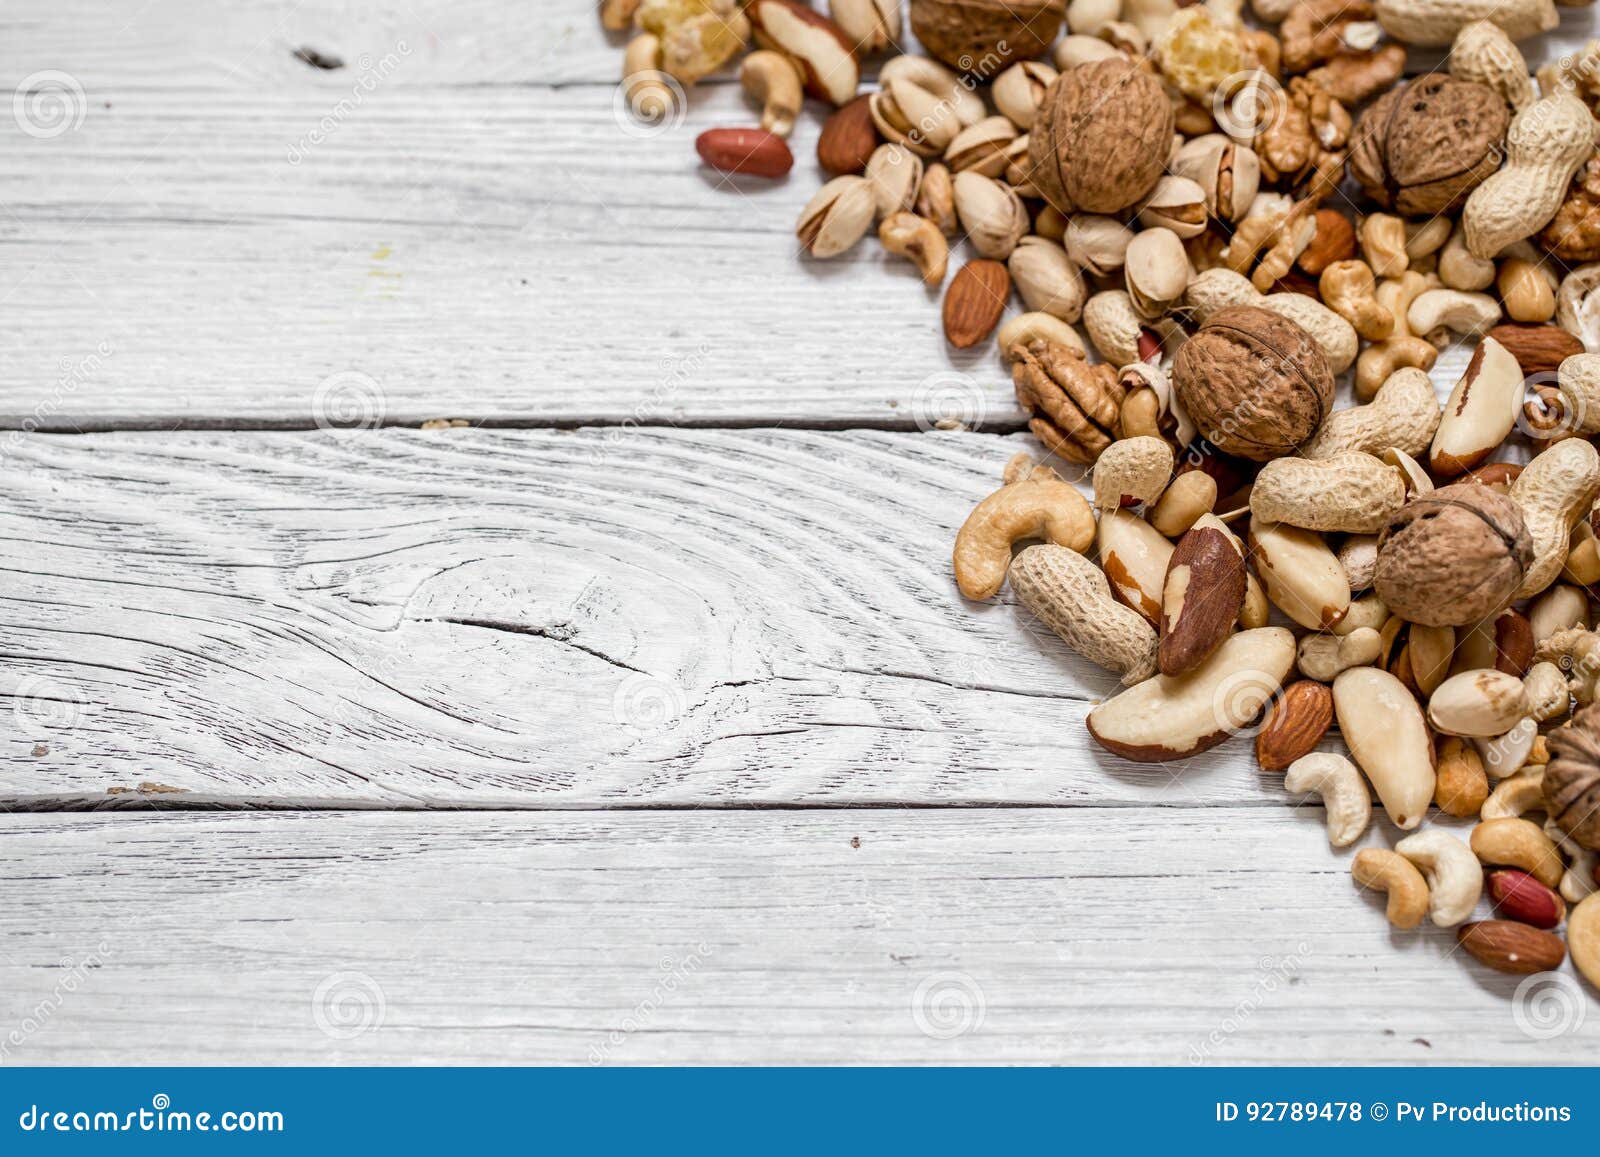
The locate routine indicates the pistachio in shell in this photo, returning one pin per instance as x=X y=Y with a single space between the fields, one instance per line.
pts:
x=983 y=36
x=1421 y=148
x=1101 y=138
x=1454 y=557
x=1255 y=384
x=1572 y=777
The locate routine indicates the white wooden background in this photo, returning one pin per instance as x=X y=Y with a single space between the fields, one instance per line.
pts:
x=679 y=595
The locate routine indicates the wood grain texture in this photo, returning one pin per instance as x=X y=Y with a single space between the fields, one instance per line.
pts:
x=1093 y=936
x=500 y=254
x=477 y=618
x=466 y=43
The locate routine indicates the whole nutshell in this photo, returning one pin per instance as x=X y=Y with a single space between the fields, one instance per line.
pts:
x=1421 y=148
x=1101 y=138
x=984 y=36
x=1572 y=777
x=1454 y=557
x=1255 y=384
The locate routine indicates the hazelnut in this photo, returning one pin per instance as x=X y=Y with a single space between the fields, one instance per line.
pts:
x=1421 y=148
x=1255 y=383
x=1101 y=138
x=1454 y=557
x=1572 y=777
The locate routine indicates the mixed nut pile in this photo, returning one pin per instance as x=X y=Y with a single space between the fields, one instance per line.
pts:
x=1240 y=220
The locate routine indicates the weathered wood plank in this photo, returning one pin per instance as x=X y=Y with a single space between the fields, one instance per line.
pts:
x=546 y=618
x=1214 y=936
x=498 y=254
x=471 y=43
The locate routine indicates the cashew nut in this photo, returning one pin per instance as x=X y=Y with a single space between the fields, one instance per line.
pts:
x=1384 y=729
x=1579 y=880
x=1441 y=311
x=1516 y=794
x=1455 y=880
x=919 y=240
x=1343 y=791
x=1070 y=595
x=772 y=79
x=617 y=15
x=1349 y=289
x=649 y=97
x=1554 y=490
x=1463 y=784
x=1508 y=752
x=1518 y=843
x=1391 y=873
x=1400 y=348
x=1132 y=468
x=1460 y=269
x=1026 y=328
x=1040 y=506
x=1383 y=244
x=1403 y=415
x=1323 y=657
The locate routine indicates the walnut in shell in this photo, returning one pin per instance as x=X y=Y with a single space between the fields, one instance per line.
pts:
x=1253 y=382
x=1421 y=148
x=1572 y=777
x=984 y=36
x=1102 y=136
x=1454 y=557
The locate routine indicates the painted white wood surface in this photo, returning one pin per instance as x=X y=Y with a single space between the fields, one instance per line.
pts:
x=550 y=618
x=438 y=243
x=248 y=44
x=1217 y=936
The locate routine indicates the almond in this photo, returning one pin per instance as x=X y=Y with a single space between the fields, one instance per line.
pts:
x=1295 y=724
x=1200 y=598
x=816 y=45
x=848 y=139
x=974 y=302
x=1539 y=349
x=1334 y=240
x=1507 y=946
x=1518 y=896
x=753 y=152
